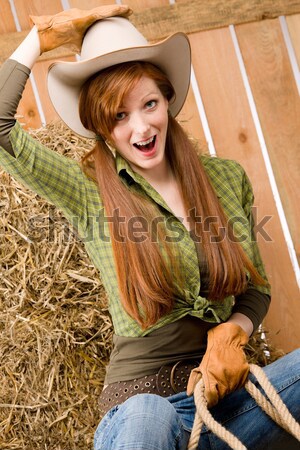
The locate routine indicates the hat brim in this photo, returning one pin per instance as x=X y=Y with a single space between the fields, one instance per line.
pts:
x=65 y=79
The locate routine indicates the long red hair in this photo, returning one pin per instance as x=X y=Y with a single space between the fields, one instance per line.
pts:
x=145 y=272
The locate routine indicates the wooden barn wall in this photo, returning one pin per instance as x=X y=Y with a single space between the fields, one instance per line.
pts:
x=243 y=104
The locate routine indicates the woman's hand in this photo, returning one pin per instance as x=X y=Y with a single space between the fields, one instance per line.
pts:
x=224 y=367
x=68 y=27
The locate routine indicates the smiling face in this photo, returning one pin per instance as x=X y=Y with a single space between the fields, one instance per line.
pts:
x=127 y=105
x=140 y=130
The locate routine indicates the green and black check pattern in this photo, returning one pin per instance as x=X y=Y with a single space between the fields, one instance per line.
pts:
x=61 y=181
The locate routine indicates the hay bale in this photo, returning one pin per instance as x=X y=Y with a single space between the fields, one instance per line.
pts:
x=55 y=328
x=54 y=324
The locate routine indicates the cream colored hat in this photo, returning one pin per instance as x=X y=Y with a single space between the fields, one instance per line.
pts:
x=113 y=41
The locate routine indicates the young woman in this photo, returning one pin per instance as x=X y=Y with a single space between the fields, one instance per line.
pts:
x=170 y=232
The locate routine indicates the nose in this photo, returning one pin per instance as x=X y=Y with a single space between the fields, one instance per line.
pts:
x=139 y=124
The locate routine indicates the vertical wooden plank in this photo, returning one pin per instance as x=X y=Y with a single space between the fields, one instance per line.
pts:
x=293 y=23
x=223 y=95
x=139 y=5
x=7 y=23
x=278 y=104
x=235 y=137
x=27 y=112
x=190 y=120
x=89 y=4
x=35 y=7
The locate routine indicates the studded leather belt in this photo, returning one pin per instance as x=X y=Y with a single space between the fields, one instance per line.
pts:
x=169 y=380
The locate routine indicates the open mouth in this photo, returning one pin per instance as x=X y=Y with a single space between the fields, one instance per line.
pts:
x=146 y=146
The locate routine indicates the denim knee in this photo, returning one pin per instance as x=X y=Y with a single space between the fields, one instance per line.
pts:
x=285 y=371
x=143 y=422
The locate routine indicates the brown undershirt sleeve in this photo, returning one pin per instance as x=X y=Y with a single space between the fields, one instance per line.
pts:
x=253 y=304
x=13 y=77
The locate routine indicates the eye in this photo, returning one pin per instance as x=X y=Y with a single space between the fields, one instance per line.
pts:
x=120 y=116
x=151 y=104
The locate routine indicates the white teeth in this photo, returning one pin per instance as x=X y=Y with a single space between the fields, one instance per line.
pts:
x=141 y=144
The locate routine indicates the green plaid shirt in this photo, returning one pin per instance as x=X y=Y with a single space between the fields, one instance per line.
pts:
x=61 y=181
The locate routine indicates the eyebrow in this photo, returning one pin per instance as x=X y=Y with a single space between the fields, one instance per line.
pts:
x=149 y=93
x=122 y=106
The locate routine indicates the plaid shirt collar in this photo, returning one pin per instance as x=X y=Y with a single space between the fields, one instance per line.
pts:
x=125 y=171
x=131 y=178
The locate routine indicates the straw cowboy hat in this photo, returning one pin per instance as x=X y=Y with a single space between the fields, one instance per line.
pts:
x=106 y=43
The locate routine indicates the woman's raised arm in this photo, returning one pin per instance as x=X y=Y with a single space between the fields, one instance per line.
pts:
x=65 y=28
x=13 y=76
x=29 y=49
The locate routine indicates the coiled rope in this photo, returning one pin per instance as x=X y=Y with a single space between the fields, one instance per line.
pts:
x=270 y=404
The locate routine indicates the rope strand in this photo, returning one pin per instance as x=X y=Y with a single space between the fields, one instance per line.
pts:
x=271 y=404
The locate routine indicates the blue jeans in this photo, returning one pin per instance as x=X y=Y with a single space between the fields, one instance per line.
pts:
x=151 y=422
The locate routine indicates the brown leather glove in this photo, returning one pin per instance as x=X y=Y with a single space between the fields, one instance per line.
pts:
x=224 y=367
x=68 y=27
